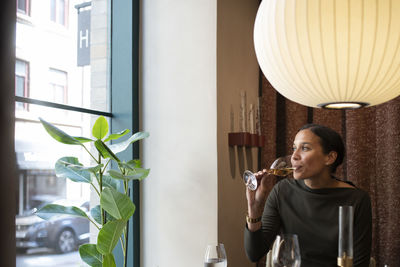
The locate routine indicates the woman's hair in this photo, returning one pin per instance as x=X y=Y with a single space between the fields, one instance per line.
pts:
x=330 y=141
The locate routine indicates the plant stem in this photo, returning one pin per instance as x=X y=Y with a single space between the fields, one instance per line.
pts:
x=126 y=232
x=102 y=212
x=123 y=250
x=104 y=169
x=122 y=246
x=95 y=224
x=90 y=154
x=94 y=187
x=97 y=178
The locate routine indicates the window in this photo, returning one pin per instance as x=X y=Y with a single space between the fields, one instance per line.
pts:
x=57 y=86
x=23 y=6
x=57 y=83
x=54 y=87
x=58 y=11
x=21 y=81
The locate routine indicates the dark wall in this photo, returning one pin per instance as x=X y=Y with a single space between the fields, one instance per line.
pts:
x=7 y=155
x=372 y=162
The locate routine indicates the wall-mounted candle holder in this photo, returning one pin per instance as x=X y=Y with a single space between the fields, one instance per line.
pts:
x=249 y=134
x=245 y=139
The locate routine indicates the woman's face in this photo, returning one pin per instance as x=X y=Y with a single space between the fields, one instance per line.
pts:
x=308 y=157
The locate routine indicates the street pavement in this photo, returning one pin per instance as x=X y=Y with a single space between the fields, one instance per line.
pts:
x=46 y=258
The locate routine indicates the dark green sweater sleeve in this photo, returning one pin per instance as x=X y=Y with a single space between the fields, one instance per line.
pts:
x=258 y=243
x=362 y=232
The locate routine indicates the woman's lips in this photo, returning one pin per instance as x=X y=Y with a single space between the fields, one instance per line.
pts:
x=296 y=168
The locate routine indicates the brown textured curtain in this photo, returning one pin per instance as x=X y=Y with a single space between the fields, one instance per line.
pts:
x=372 y=162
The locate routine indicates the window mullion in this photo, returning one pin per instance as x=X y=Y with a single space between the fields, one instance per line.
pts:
x=61 y=106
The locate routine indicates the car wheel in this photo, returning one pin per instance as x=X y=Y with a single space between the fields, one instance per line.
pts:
x=66 y=241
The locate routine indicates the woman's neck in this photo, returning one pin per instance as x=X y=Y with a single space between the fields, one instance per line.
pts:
x=322 y=181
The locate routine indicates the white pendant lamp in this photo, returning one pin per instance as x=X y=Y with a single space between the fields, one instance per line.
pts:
x=330 y=53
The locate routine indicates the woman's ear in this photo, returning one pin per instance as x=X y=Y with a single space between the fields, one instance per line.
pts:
x=330 y=158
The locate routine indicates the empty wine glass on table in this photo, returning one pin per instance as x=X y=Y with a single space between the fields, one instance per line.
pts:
x=286 y=251
x=280 y=167
x=215 y=256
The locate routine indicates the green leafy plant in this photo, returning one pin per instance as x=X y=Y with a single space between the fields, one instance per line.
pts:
x=116 y=208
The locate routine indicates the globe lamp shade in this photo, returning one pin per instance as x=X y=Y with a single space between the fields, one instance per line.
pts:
x=330 y=53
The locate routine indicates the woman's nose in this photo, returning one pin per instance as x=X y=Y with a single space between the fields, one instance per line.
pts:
x=295 y=154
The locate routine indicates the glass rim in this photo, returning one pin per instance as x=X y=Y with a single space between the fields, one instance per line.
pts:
x=287 y=235
x=215 y=244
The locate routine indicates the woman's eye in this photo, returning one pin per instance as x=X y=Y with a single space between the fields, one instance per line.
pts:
x=304 y=148
x=293 y=149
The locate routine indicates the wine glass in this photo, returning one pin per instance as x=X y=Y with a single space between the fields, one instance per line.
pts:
x=280 y=167
x=286 y=251
x=215 y=256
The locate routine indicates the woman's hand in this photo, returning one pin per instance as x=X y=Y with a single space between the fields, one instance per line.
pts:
x=256 y=199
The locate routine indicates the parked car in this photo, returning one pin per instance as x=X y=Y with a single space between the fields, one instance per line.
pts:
x=63 y=233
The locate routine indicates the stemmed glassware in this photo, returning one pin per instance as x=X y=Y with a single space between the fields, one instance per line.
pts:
x=280 y=167
x=286 y=251
x=215 y=256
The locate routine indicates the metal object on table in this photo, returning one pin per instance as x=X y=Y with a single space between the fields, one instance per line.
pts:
x=345 y=261
x=345 y=255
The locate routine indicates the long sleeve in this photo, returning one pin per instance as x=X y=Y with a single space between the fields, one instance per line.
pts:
x=362 y=233
x=258 y=243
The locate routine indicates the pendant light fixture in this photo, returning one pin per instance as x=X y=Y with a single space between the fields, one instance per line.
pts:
x=339 y=54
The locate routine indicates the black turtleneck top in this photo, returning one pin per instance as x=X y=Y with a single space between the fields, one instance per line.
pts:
x=313 y=214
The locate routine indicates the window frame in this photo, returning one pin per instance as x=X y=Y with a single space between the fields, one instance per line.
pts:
x=26 y=80
x=125 y=102
x=124 y=87
x=56 y=9
x=27 y=10
x=52 y=85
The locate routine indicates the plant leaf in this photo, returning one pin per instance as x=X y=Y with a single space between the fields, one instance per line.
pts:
x=69 y=167
x=130 y=165
x=95 y=213
x=100 y=128
x=51 y=210
x=117 y=135
x=109 y=235
x=58 y=134
x=90 y=255
x=105 y=151
x=79 y=166
x=108 y=181
x=109 y=260
x=136 y=163
x=119 y=205
x=119 y=147
x=83 y=139
x=93 y=169
x=137 y=174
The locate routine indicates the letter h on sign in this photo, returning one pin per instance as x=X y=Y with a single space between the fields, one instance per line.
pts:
x=83 y=38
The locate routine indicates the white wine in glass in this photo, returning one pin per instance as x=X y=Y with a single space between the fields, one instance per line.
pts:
x=280 y=167
x=215 y=256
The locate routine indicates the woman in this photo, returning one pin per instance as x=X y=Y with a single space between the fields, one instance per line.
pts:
x=308 y=204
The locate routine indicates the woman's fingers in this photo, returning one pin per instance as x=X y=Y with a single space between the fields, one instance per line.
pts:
x=260 y=174
x=259 y=193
